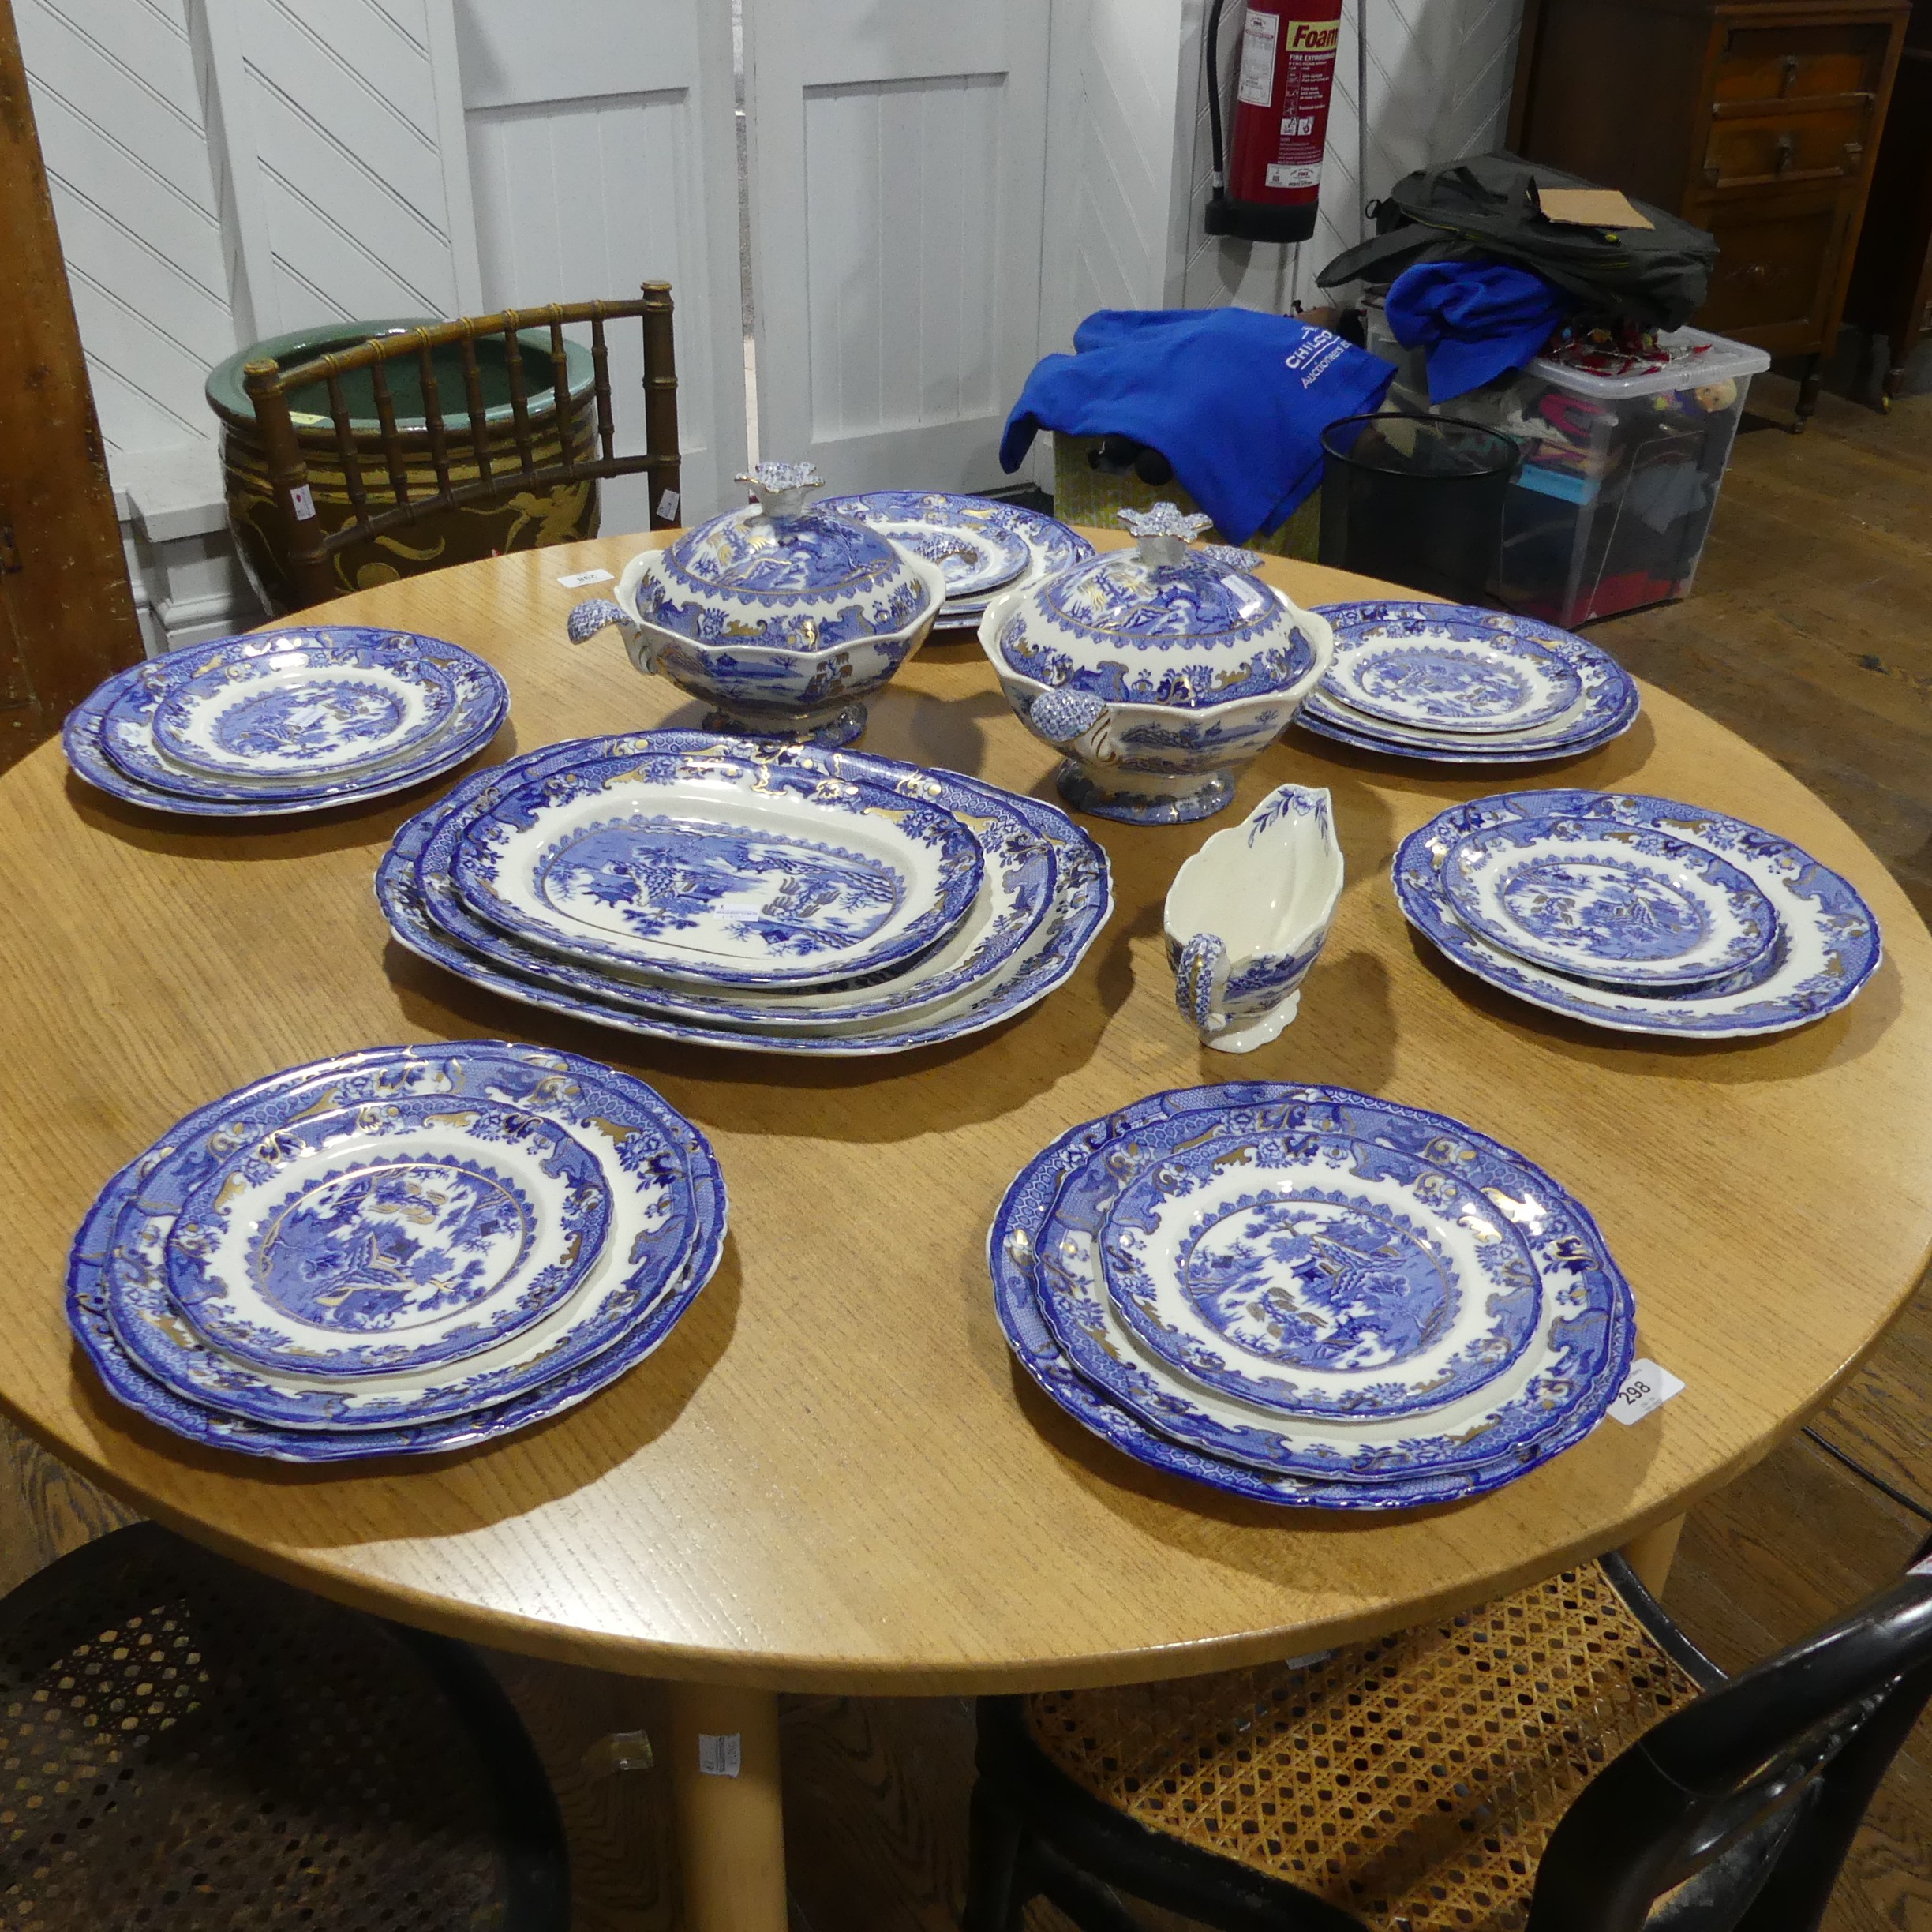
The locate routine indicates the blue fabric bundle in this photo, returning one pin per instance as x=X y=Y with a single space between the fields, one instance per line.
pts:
x=1235 y=400
x=1475 y=321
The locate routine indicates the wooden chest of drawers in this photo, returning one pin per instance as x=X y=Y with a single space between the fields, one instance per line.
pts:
x=1759 y=121
x=1892 y=280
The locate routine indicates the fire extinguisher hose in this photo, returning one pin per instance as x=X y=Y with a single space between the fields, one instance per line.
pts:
x=1215 y=143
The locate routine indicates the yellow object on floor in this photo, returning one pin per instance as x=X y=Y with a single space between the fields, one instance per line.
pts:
x=1082 y=494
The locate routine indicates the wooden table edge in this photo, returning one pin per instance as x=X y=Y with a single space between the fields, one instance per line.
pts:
x=681 y=1664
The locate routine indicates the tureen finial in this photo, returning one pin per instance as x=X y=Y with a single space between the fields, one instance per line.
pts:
x=1163 y=532
x=1165 y=519
x=782 y=488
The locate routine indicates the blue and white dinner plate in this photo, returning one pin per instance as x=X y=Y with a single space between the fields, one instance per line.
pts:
x=377 y=1238
x=309 y=709
x=1082 y=900
x=1051 y=546
x=1017 y=894
x=149 y=1359
x=1622 y=903
x=751 y=866
x=1828 y=943
x=123 y=760
x=1040 y=1249
x=1448 y=669
x=1314 y=1273
x=1605 y=707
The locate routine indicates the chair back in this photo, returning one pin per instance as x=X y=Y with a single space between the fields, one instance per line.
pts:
x=1756 y=1788
x=478 y=447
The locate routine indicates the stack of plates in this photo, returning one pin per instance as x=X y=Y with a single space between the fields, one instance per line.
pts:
x=1453 y=684
x=982 y=545
x=284 y=721
x=1305 y=1295
x=400 y=1251
x=774 y=898
x=1638 y=914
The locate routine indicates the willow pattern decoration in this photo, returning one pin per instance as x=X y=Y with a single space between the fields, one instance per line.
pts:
x=535 y=470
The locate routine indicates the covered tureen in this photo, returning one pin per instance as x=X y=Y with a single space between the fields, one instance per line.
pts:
x=1160 y=669
x=784 y=618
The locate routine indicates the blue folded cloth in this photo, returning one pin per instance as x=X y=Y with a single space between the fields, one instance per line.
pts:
x=1474 y=320
x=1235 y=400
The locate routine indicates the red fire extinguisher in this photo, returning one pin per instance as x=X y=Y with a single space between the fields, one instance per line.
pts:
x=1266 y=189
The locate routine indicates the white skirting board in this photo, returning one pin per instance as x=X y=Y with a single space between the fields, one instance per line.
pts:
x=189 y=581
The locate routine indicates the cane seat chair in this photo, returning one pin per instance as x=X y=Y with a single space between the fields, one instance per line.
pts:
x=457 y=453
x=1563 y=1760
x=190 y=1747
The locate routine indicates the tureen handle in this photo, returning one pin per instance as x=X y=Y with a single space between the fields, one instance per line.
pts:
x=1200 y=978
x=591 y=616
x=1073 y=720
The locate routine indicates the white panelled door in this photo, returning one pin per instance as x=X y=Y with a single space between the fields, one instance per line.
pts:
x=897 y=157
x=603 y=154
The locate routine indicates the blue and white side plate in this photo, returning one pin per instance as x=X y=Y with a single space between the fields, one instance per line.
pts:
x=1082 y=902
x=1828 y=944
x=665 y=1242
x=1314 y=1274
x=1050 y=546
x=1016 y=895
x=1606 y=705
x=978 y=548
x=1040 y=1248
x=1448 y=668
x=309 y=709
x=1622 y=903
x=120 y=759
x=759 y=866
x=387 y=1236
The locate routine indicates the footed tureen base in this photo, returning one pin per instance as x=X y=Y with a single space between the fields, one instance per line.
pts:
x=832 y=728
x=1144 y=798
x=1258 y=1032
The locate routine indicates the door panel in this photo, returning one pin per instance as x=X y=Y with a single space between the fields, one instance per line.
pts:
x=1773 y=279
x=591 y=175
x=896 y=186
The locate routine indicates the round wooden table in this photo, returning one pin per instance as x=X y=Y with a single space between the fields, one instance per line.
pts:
x=833 y=1478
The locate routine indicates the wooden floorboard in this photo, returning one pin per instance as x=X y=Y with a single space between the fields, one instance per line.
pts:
x=1810 y=633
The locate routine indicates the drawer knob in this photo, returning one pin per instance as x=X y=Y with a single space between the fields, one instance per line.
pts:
x=1781 y=155
x=1790 y=70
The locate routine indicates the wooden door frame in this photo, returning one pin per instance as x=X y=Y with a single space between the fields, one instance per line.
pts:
x=66 y=608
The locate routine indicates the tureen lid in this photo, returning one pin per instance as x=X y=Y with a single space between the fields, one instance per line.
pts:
x=1161 y=624
x=777 y=572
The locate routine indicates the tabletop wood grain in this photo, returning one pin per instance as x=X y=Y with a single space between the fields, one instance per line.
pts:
x=832 y=1476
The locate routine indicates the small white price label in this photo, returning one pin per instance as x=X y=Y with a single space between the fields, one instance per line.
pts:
x=1647 y=1387
x=718 y=1755
x=577 y=579
x=302 y=499
x=667 y=506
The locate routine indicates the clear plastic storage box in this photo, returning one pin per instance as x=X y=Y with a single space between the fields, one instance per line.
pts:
x=1620 y=474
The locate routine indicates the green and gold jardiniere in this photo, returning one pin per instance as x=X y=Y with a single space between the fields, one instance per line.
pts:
x=522 y=519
